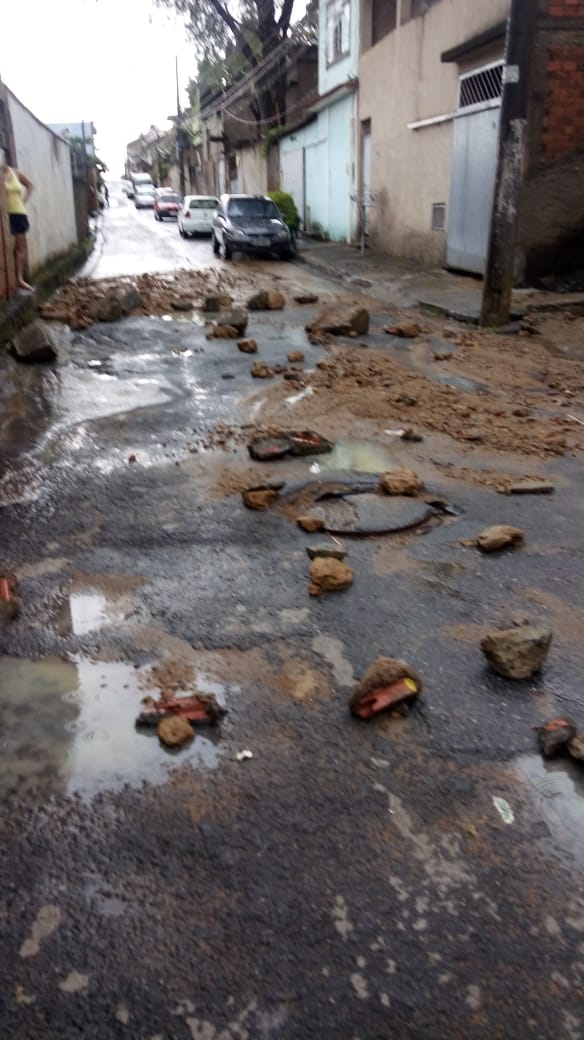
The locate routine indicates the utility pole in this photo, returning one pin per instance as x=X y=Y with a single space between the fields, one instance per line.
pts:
x=179 y=135
x=500 y=270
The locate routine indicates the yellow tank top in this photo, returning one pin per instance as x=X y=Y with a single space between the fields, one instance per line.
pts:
x=14 y=192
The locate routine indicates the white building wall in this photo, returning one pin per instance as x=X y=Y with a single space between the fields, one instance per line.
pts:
x=46 y=159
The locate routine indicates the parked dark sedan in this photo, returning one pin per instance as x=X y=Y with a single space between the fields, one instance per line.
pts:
x=166 y=204
x=250 y=224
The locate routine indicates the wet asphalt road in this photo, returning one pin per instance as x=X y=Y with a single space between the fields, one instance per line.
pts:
x=350 y=881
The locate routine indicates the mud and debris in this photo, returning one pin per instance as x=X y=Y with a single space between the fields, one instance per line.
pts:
x=555 y=735
x=497 y=537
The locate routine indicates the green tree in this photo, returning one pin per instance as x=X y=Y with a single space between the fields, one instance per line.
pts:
x=242 y=36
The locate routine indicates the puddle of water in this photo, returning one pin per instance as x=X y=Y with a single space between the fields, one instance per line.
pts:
x=68 y=727
x=356 y=456
x=558 y=786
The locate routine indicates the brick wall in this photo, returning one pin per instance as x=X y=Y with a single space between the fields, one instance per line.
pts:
x=566 y=8
x=563 y=123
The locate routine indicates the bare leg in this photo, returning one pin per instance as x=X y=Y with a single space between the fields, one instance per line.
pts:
x=20 y=261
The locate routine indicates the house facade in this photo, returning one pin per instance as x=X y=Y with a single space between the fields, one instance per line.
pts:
x=431 y=80
x=430 y=86
x=317 y=156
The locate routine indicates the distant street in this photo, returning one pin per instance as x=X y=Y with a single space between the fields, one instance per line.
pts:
x=131 y=241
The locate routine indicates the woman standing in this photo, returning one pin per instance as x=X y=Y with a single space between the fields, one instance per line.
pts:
x=18 y=189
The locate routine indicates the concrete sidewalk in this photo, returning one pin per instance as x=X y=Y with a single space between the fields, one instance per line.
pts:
x=402 y=283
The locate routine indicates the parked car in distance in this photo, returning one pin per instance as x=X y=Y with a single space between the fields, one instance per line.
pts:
x=250 y=224
x=127 y=187
x=196 y=215
x=143 y=196
x=166 y=203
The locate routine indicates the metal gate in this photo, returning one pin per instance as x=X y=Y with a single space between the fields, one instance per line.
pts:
x=474 y=168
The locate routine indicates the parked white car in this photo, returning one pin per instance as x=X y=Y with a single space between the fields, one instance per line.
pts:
x=144 y=196
x=196 y=215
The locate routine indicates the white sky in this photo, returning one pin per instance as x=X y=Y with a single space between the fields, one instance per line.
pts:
x=110 y=61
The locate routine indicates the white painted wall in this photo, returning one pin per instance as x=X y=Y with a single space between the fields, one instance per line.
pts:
x=45 y=159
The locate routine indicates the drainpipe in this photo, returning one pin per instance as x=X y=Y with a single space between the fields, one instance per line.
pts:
x=511 y=163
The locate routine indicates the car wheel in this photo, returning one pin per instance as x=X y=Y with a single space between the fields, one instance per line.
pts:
x=214 y=243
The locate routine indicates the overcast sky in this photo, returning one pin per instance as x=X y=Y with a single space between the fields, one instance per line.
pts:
x=110 y=61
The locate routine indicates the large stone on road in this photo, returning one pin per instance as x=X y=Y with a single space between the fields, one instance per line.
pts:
x=329 y=575
x=341 y=320
x=213 y=304
x=267 y=300
x=37 y=342
x=236 y=317
x=499 y=536
x=401 y=482
x=387 y=683
x=517 y=653
x=175 y=731
x=115 y=304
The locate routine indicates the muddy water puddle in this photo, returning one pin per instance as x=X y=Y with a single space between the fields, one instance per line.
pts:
x=557 y=786
x=356 y=457
x=68 y=727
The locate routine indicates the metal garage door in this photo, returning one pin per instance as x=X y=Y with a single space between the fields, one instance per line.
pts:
x=474 y=168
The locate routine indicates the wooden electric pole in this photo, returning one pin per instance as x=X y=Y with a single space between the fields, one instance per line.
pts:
x=500 y=270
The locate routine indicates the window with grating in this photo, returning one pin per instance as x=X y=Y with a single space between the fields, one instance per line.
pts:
x=484 y=85
x=438 y=216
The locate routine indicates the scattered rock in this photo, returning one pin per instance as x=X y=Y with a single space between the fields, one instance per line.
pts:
x=223 y=332
x=36 y=342
x=388 y=683
x=474 y=436
x=115 y=304
x=199 y=707
x=408 y=399
x=341 y=321
x=267 y=300
x=132 y=458
x=555 y=735
x=329 y=575
x=261 y=497
x=444 y=357
x=521 y=413
x=235 y=316
x=261 y=370
x=265 y=449
x=530 y=487
x=307 y=442
x=310 y=523
x=499 y=536
x=411 y=436
x=9 y=602
x=213 y=304
x=295 y=357
x=306 y=298
x=182 y=303
x=576 y=747
x=247 y=346
x=405 y=329
x=325 y=550
x=517 y=653
x=174 y=731
x=401 y=482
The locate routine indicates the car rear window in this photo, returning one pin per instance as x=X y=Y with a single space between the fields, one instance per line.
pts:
x=168 y=196
x=256 y=208
x=203 y=203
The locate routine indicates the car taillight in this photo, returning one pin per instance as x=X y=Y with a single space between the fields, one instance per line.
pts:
x=188 y=214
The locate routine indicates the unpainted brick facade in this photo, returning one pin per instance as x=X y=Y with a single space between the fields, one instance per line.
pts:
x=551 y=239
